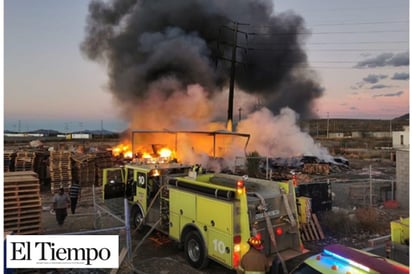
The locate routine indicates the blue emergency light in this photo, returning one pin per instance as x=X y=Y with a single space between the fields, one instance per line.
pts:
x=362 y=260
x=352 y=263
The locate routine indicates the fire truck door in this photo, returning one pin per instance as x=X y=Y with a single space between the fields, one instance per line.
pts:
x=141 y=192
x=113 y=183
x=220 y=246
x=182 y=210
x=217 y=217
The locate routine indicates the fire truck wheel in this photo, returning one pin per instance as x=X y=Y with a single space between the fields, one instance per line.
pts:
x=137 y=218
x=195 y=251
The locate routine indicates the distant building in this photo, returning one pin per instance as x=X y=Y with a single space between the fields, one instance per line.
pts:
x=336 y=135
x=380 y=134
x=400 y=139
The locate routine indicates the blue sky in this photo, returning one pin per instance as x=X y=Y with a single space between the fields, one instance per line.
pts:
x=48 y=83
x=346 y=33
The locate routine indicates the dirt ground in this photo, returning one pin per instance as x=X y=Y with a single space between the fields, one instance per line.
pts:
x=156 y=254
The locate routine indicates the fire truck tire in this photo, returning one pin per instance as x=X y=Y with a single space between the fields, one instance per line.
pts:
x=137 y=218
x=195 y=250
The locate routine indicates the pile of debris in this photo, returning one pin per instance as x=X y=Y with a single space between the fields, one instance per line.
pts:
x=311 y=165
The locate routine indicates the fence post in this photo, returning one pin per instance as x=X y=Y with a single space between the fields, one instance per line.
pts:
x=370 y=186
x=127 y=225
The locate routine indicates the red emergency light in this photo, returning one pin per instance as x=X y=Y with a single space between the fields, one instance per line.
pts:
x=236 y=250
x=239 y=186
x=279 y=231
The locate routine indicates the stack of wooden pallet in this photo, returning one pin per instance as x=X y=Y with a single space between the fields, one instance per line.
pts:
x=22 y=202
x=103 y=160
x=9 y=156
x=319 y=168
x=40 y=164
x=24 y=160
x=60 y=169
x=88 y=197
x=84 y=169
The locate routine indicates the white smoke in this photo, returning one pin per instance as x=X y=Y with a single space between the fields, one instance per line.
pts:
x=279 y=136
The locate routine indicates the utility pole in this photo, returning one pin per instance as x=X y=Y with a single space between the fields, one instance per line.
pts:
x=327 y=128
x=233 y=62
x=229 y=125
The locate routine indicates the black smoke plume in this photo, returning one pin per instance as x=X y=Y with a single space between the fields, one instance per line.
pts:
x=191 y=41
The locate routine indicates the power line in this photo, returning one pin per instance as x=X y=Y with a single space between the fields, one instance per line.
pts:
x=324 y=50
x=344 y=23
x=327 y=32
x=360 y=23
x=337 y=43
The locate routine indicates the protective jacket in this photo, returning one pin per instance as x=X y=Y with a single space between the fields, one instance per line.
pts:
x=254 y=262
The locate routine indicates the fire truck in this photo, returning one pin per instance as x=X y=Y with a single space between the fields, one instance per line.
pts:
x=211 y=215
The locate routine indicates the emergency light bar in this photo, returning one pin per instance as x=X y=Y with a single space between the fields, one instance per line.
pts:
x=353 y=263
x=362 y=260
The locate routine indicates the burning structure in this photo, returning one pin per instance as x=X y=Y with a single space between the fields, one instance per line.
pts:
x=215 y=151
x=168 y=67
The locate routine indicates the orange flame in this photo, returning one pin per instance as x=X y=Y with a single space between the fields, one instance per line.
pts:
x=122 y=150
x=185 y=147
x=165 y=152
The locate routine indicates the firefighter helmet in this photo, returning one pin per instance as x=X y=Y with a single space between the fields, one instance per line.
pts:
x=255 y=242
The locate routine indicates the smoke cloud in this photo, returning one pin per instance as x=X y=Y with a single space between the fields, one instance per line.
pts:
x=169 y=64
x=279 y=135
x=145 y=42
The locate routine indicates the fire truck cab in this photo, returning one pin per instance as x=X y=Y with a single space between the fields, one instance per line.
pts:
x=212 y=215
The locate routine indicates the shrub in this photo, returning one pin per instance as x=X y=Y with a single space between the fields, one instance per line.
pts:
x=367 y=219
x=338 y=223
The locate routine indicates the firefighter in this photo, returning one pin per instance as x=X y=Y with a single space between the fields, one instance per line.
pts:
x=195 y=168
x=254 y=261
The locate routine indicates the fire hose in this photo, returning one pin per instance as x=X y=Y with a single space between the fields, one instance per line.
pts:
x=154 y=226
x=150 y=206
x=264 y=208
x=287 y=206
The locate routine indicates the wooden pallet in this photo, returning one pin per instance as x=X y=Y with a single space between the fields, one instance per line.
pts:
x=21 y=173
x=84 y=169
x=311 y=231
x=60 y=170
x=56 y=185
x=24 y=160
x=103 y=160
x=9 y=157
x=22 y=202
x=60 y=176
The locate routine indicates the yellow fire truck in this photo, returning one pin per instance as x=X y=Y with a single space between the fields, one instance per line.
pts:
x=211 y=215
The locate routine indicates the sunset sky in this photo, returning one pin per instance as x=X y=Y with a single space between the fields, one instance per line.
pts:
x=359 y=51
